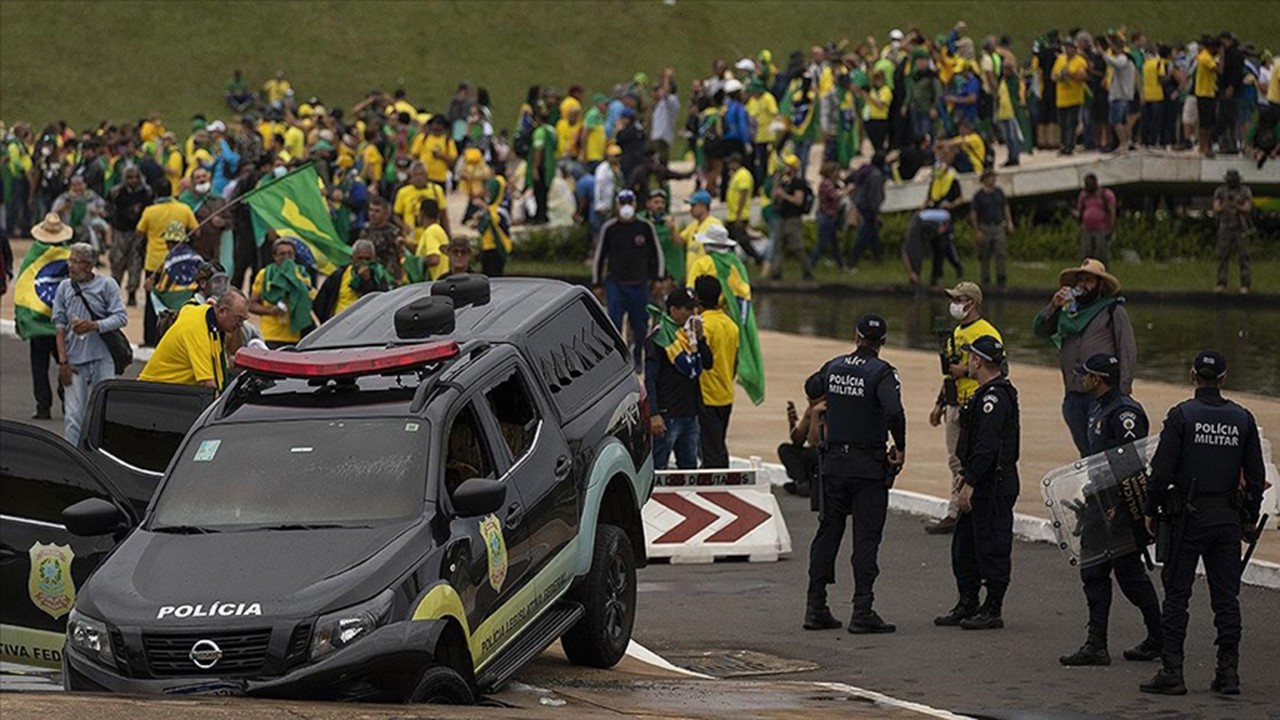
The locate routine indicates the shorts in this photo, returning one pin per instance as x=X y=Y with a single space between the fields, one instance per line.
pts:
x=1118 y=114
x=1207 y=108
x=1190 y=112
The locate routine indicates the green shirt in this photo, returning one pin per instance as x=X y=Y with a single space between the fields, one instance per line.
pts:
x=544 y=139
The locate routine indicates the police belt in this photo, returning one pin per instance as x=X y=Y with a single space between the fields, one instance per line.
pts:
x=1217 y=501
x=848 y=448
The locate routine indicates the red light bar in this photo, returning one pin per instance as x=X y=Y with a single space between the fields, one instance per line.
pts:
x=342 y=363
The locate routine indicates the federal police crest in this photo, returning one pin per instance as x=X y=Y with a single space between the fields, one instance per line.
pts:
x=51 y=586
x=495 y=547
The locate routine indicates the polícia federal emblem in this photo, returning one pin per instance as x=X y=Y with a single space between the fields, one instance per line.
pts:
x=51 y=586
x=495 y=546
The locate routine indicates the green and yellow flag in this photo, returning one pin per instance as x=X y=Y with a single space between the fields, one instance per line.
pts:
x=736 y=285
x=294 y=206
x=44 y=267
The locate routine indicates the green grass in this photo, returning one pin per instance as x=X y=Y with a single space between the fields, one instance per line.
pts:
x=84 y=62
x=1183 y=276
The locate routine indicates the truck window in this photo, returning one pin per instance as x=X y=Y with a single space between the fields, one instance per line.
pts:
x=578 y=354
x=516 y=413
x=467 y=454
x=38 y=478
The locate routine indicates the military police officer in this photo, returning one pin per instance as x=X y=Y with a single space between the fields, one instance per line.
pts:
x=1117 y=419
x=1207 y=444
x=982 y=546
x=864 y=406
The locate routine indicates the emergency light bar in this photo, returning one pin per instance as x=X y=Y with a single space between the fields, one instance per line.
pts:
x=342 y=363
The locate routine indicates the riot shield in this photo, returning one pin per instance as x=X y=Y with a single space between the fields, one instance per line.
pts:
x=1096 y=503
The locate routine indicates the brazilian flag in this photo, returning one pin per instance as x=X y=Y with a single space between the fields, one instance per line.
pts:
x=737 y=304
x=294 y=206
x=44 y=267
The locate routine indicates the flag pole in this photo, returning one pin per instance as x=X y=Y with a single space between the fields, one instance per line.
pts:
x=246 y=196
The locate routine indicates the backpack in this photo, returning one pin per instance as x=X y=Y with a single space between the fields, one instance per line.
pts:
x=806 y=207
x=523 y=142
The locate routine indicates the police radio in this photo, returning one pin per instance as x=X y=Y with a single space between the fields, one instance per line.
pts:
x=947 y=356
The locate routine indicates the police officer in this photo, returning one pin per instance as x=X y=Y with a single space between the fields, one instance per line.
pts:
x=1117 y=419
x=1207 y=443
x=982 y=546
x=864 y=405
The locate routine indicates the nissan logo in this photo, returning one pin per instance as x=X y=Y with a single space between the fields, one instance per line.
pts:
x=205 y=654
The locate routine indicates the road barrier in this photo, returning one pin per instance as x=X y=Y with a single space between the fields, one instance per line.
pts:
x=700 y=516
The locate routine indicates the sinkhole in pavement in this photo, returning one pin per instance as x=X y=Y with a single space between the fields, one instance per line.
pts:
x=736 y=663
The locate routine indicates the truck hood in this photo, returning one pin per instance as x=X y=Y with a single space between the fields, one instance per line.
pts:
x=235 y=579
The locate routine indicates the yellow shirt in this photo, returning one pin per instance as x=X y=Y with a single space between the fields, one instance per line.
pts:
x=433 y=240
x=276 y=90
x=693 y=248
x=437 y=167
x=1273 y=87
x=594 y=144
x=1153 y=69
x=295 y=142
x=1070 y=90
x=346 y=296
x=199 y=158
x=150 y=131
x=173 y=170
x=275 y=328
x=472 y=177
x=885 y=95
x=190 y=352
x=371 y=157
x=155 y=218
x=1206 y=78
x=567 y=137
x=721 y=334
x=963 y=335
x=975 y=149
x=742 y=181
x=409 y=199
x=1004 y=102
x=763 y=110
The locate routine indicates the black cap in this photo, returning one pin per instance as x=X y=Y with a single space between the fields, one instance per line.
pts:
x=1103 y=365
x=988 y=348
x=680 y=297
x=1210 y=364
x=872 y=327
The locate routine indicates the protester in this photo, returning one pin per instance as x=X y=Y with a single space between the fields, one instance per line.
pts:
x=1085 y=317
x=741 y=187
x=153 y=223
x=626 y=268
x=385 y=234
x=867 y=198
x=208 y=208
x=85 y=306
x=126 y=202
x=992 y=222
x=671 y=242
x=460 y=254
x=541 y=166
x=1069 y=73
x=721 y=334
x=794 y=198
x=675 y=356
x=350 y=283
x=701 y=220
x=82 y=210
x=409 y=197
x=192 y=352
x=493 y=223
x=799 y=455
x=1096 y=209
x=282 y=296
x=429 y=242
x=827 y=215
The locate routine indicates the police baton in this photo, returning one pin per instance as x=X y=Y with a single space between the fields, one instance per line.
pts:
x=1253 y=544
x=816 y=500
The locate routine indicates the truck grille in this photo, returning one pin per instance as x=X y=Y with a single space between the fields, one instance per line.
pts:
x=243 y=653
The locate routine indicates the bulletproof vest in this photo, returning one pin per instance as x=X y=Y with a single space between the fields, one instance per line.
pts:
x=1100 y=418
x=854 y=415
x=1010 y=434
x=1213 y=438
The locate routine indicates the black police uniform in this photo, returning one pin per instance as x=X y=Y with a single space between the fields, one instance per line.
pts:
x=1117 y=419
x=982 y=546
x=1205 y=444
x=864 y=405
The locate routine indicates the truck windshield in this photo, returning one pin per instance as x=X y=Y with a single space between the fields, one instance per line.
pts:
x=296 y=475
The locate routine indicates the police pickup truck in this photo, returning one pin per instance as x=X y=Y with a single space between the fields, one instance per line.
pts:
x=414 y=501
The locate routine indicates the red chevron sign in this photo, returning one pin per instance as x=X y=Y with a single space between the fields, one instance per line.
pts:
x=746 y=517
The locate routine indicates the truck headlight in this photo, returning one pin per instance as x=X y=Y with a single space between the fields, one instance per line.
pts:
x=90 y=637
x=339 y=629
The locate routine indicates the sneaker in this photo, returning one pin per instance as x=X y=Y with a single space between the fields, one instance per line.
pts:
x=945 y=526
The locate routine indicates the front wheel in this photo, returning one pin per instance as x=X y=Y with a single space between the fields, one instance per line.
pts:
x=442 y=685
x=608 y=594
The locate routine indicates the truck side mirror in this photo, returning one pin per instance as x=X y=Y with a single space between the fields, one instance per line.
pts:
x=93 y=517
x=478 y=496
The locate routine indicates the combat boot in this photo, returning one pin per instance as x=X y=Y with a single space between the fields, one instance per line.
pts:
x=1093 y=652
x=965 y=608
x=817 y=616
x=1226 y=679
x=988 y=616
x=866 y=621
x=1168 y=681
x=1148 y=649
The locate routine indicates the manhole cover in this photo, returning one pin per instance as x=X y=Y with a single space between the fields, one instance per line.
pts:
x=736 y=663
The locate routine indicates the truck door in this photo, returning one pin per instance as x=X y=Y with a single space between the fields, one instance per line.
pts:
x=41 y=563
x=133 y=428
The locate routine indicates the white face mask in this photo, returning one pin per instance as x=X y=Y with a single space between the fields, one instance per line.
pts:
x=958 y=310
x=202 y=188
x=280 y=171
x=46 y=151
x=402 y=176
x=626 y=212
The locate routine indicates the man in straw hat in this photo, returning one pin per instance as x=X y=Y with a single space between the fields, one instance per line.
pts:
x=44 y=267
x=1084 y=317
